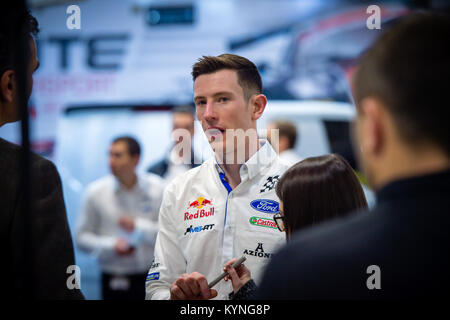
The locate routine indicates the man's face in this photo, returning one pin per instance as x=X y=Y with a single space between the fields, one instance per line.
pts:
x=183 y=121
x=32 y=67
x=10 y=104
x=120 y=161
x=220 y=105
x=358 y=135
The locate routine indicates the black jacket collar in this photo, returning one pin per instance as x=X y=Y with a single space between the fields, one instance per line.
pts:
x=437 y=183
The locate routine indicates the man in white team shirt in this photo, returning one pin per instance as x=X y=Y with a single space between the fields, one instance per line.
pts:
x=224 y=208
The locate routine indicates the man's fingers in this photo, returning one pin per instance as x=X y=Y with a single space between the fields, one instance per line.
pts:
x=233 y=274
x=193 y=286
x=230 y=263
x=181 y=283
x=213 y=294
x=203 y=284
x=176 y=293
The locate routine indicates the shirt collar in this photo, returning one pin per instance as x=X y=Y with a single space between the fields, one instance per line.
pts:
x=416 y=187
x=140 y=184
x=257 y=162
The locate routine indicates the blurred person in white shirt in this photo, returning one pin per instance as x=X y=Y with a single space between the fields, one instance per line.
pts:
x=119 y=222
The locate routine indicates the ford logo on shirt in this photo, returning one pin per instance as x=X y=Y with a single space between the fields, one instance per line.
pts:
x=266 y=205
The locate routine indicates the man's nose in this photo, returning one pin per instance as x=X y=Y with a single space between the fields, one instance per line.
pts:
x=210 y=114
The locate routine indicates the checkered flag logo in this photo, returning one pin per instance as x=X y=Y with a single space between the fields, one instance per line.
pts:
x=270 y=183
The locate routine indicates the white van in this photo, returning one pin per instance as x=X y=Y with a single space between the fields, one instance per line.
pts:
x=322 y=126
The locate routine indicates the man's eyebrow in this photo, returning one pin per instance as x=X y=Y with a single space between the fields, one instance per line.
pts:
x=222 y=93
x=198 y=97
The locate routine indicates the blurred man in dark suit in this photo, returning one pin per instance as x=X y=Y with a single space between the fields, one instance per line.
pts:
x=401 y=248
x=37 y=250
x=176 y=162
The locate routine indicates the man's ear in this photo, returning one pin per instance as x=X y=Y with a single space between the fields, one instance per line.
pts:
x=7 y=86
x=258 y=104
x=136 y=160
x=373 y=128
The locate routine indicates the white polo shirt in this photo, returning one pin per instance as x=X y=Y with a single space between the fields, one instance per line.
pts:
x=203 y=223
x=98 y=226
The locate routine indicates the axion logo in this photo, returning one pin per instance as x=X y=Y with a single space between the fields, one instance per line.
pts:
x=263 y=222
x=258 y=252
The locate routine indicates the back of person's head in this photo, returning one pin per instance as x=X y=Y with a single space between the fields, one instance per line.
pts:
x=317 y=189
x=10 y=20
x=17 y=28
x=286 y=129
x=134 y=149
x=248 y=76
x=408 y=71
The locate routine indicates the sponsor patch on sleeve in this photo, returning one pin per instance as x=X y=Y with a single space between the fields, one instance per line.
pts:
x=152 y=276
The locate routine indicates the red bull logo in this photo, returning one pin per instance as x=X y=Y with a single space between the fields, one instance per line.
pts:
x=199 y=204
x=199 y=214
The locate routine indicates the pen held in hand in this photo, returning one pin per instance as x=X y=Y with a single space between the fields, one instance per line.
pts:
x=235 y=265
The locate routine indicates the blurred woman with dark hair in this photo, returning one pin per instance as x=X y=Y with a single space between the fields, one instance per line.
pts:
x=311 y=191
x=315 y=190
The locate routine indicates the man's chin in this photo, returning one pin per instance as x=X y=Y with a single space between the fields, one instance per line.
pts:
x=217 y=146
x=224 y=153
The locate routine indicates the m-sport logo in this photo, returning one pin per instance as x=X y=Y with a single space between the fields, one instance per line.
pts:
x=192 y=229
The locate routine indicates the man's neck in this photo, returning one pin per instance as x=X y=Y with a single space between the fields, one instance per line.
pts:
x=231 y=167
x=128 y=181
x=411 y=164
x=2 y=120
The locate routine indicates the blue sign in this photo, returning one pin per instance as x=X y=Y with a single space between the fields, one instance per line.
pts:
x=266 y=205
x=153 y=276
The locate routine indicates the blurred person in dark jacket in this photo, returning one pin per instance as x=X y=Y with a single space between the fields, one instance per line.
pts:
x=400 y=249
x=43 y=236
x=176 y=162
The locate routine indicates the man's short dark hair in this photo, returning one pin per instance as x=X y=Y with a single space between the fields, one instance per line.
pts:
x=8 y=21
x=134 y=148
x=248 y=76
x=187 y=109
x=287 y=129
x=408 y=70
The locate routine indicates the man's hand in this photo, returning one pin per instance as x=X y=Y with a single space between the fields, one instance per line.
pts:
x=192 y=286
x=122 y=247
x=127 y=223
x=239 y=276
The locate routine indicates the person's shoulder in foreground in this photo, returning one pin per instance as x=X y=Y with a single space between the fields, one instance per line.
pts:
x=48 y=233
x=401 y=246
